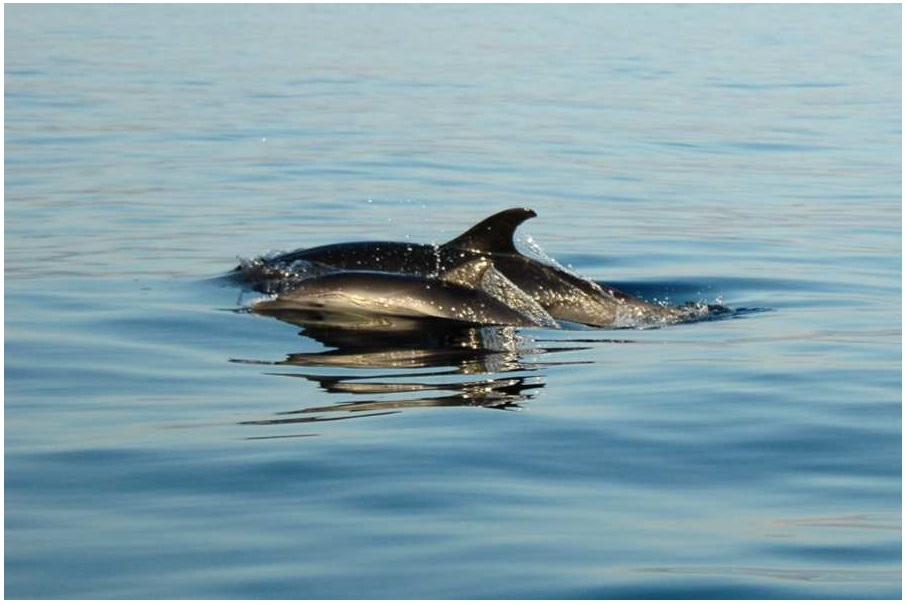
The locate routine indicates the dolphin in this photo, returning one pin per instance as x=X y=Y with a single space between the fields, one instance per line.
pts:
x=495 y=232
x=562 y=294
x=453 y=296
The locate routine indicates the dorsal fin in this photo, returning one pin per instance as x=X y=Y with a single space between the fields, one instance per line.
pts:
x=494 y=234
x=468 y=274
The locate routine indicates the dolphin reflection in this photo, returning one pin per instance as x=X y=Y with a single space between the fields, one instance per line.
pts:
x=499 y=393
x=383 y=364
x=414 y=364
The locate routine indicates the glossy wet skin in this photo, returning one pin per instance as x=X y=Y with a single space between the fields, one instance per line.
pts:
x=565 y=296
x=397 y=295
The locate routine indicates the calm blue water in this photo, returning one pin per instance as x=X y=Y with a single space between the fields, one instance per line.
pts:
x=159 y=444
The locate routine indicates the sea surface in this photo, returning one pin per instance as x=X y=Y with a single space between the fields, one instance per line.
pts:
x=160 y=442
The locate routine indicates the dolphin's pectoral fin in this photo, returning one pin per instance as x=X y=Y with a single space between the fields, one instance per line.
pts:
x=494 y=234
x=496 y=284
x=468 y=274
x=480 y=274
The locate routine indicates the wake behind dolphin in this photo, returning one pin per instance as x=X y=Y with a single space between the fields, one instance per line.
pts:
x=479 y=277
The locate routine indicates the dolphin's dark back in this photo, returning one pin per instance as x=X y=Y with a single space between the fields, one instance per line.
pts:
x=492 y=235
x=390 y=257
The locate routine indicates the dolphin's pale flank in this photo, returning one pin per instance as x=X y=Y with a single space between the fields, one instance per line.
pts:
x=454 y=297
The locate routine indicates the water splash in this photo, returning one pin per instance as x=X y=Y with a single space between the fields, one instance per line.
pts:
x=527 y=245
